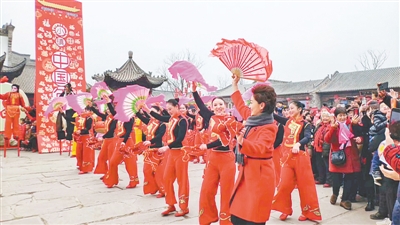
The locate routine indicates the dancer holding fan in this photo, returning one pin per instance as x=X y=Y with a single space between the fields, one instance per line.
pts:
x=221 y=163
x=152 y=169
x=107 y=146
x=177 y=161
x=84 y=153
x=254 y=188
x=127 y=99
x=121 y=153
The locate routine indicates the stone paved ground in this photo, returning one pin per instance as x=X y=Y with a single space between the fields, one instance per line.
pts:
x=46 y=189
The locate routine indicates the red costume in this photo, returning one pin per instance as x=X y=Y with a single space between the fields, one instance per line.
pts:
x=254 y=188
x=296 y=169
x=220 y=169
x=105 y=152
x=12 y=102
x=109 y=141
x=152 y=169
x=84 y=153
x=176 y=166
x=123 y=131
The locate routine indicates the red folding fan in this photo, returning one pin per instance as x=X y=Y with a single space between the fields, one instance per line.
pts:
x=244 y=59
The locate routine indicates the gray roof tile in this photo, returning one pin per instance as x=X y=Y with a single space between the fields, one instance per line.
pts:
x=362 y=80
x=26 y=80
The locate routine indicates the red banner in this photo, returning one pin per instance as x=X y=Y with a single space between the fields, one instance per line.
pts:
x=59 y=60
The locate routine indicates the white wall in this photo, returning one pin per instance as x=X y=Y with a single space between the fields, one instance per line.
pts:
x=4 y=47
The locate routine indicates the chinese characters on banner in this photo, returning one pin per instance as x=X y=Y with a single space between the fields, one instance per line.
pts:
x=59 y=60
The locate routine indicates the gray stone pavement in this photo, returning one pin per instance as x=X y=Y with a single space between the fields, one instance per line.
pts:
x=46 y=189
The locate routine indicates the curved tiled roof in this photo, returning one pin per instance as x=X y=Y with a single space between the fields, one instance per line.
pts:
x=362 y=80
x=26 y=80
x=19 y=67
x=130 y=72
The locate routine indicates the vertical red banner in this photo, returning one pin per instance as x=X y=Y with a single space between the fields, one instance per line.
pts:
x=59 y=60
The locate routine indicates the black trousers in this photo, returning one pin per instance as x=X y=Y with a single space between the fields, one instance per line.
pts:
x=324 y=176
x=70 y=126
x=239 y=221
x=349 y=184
x=387 y=196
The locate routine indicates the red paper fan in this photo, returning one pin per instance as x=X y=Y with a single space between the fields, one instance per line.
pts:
x=244 y=59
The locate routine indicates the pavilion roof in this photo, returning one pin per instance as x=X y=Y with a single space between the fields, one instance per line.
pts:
x=130 y=73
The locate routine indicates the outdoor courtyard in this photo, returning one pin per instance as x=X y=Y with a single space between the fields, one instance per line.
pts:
x=46 y=189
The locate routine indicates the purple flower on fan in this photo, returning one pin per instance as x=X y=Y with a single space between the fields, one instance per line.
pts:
x=129 y=99
x=55 y=104
x=79 y=101
x=99 y=89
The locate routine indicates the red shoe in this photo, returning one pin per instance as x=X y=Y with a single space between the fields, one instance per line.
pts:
x=72 y=156
x=131 y=185
x=81 y=172
x=110 y=186
x=317 y=182
x=101 y=178
x=182 y=213
x=160 y=195
x=302 y=218
x=283 y=216
x=327 y=186
x=171 y=208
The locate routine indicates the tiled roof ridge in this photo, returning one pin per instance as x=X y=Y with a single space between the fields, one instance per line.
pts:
x=17 y=67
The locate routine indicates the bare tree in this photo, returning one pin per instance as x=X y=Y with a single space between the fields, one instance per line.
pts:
x=173 y=84
x=372 y=60
x=223 y=81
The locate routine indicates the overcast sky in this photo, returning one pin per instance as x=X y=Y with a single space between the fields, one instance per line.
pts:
x=306 y=40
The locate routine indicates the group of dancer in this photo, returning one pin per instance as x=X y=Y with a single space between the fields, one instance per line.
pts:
x=268 y=154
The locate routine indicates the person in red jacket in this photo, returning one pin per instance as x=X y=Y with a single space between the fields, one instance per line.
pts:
x=342 y=137
x=255 y=186
x=322 y=151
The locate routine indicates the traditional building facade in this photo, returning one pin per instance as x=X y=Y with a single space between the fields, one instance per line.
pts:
x=333 y=89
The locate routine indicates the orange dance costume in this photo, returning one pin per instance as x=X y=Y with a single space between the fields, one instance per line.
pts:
x=153 y=170
x=12 y=102
x=107 y=149
x=176 y=166
x=84 y=152
x=220 y=170
x=123 y=131
x=296 y=168
x=277 y=156
x=254 y=188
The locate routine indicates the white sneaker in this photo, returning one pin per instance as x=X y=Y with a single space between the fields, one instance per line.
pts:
x=386 y=221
